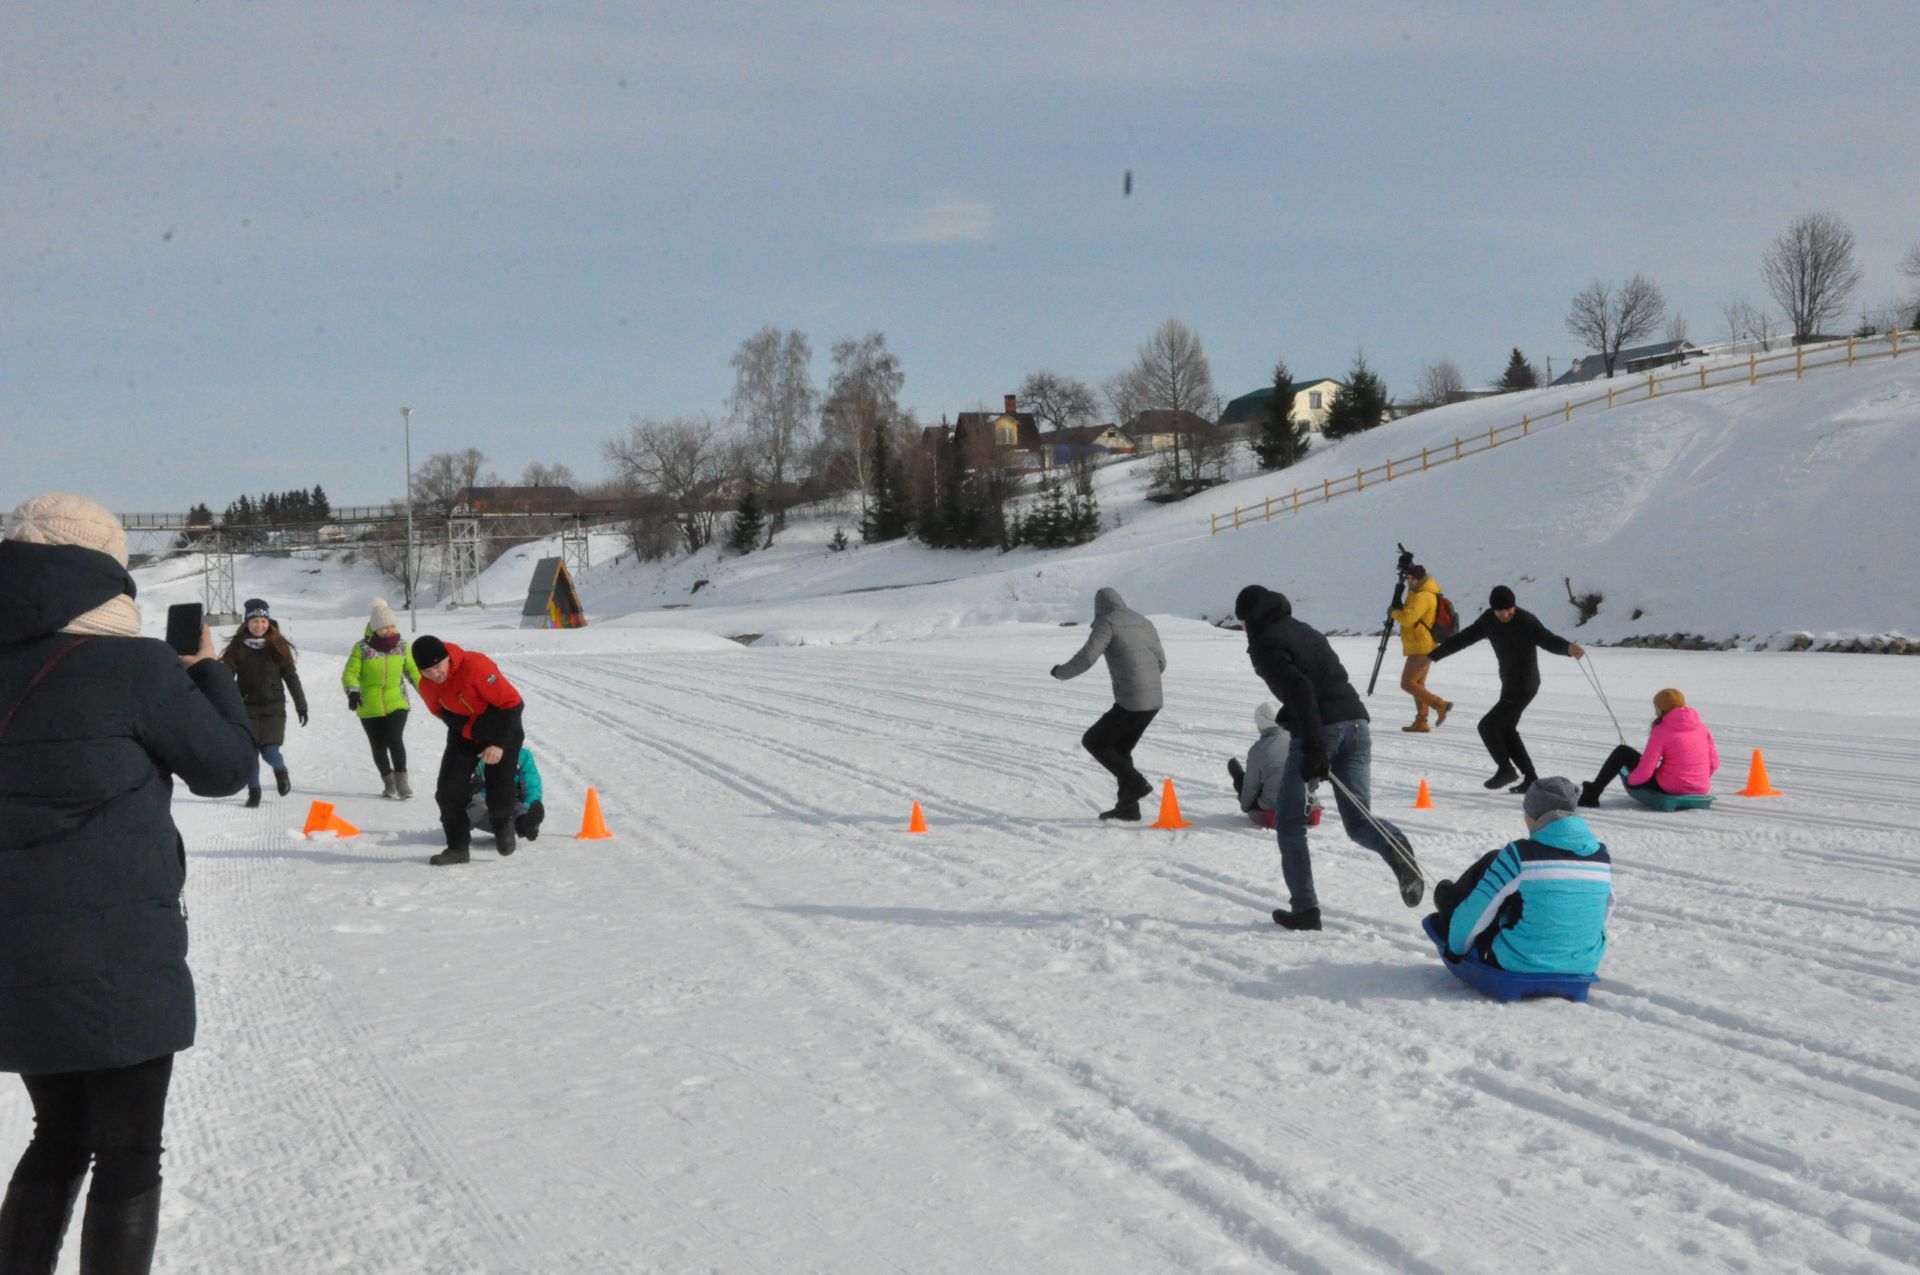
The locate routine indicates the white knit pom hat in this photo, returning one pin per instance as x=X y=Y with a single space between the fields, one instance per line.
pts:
x=382 y=616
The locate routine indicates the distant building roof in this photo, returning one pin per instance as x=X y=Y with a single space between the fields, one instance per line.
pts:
x=1163 y=421
x=481 y=499
x=1589 y=367
x=968 y=426
x=1253 y=406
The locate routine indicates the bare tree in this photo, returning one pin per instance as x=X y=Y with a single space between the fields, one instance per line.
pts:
x=1747 y=322
x=1676 y=327
x=1811 y=270
x=1123 y=396
x=773 y=396
x=1438 y=380
x=1058 y=401
x=1171 y=371
x=541 y=475
x=440 y=479
x=862 y=398
x=1909 y=307
x=681 y=461
x=1607 y=320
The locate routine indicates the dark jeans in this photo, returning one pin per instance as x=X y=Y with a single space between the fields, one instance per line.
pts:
x=456 y=775
x=1625 y=757
x=526 y=819
x=1500 y=728
x=111 y=1117
x=1350 y=757
x=386 y=737
x=270 y=753
x=1111 y=740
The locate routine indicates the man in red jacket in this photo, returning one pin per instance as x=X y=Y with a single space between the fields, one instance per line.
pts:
x=468 y=692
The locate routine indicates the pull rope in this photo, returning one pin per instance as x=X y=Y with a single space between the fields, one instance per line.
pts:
x=1593 y=680
x=1400 y=847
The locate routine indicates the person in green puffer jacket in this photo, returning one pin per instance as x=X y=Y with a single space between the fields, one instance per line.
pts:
x=377 y=675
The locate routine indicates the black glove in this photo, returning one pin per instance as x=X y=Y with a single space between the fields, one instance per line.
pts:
x=302 y=713
x=353 y=701
x=1237 y=771
x=1313 y=762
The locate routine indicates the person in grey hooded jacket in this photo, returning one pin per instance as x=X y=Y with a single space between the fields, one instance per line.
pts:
x=1135 y=661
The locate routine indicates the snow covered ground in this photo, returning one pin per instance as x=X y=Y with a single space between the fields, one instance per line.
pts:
x=764 y=1029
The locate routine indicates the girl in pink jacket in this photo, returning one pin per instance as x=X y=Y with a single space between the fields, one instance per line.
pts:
x=1679 y=760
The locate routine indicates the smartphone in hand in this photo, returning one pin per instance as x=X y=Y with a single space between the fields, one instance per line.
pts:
x=183 y=627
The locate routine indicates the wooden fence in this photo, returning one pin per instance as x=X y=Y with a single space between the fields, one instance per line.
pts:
x=1681 y=380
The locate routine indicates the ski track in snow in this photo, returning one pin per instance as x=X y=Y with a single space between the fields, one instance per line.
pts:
x=764 y=1029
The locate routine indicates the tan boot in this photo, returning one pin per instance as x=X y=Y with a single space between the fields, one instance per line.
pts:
x=1418 y=727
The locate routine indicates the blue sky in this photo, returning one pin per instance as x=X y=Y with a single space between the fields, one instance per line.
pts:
x=238 y=236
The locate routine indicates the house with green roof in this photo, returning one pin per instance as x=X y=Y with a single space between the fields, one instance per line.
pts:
x=1312 y=400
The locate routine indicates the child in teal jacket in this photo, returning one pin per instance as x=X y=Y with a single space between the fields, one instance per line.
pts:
x=528 y=810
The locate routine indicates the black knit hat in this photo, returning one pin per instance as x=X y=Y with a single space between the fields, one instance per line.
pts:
x=257 y=608
x=428 y=650
x=1501 y=598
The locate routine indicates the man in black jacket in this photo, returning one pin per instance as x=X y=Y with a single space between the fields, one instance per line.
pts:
x=1330 y=739
x=1517 y=637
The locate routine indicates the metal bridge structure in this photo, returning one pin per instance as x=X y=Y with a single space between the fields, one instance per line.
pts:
x=458 y=532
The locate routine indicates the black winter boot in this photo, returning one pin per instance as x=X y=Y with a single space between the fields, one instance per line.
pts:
x=1526 y=782
x=1140 y=787
x=1304 y=919
x=1589 y=795
x=117 y=1236
x=33 y=1220
x=1501 y=777
x=1127 y=809
x=452 y=854
x=503 y=837
x=253 y=796
x=1236 y=772
x=283 y=781
x=1413 y=886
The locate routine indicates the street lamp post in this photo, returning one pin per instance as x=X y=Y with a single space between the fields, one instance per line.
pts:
x=406 y=428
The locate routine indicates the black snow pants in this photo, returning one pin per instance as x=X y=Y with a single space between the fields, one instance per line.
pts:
x=455 y=784
x=1625 y=757
x=1500 y=728
x=1111 y=740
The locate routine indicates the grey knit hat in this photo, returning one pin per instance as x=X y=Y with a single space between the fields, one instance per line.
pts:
x=1549 y=799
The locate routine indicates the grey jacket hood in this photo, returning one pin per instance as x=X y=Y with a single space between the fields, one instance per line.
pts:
x=1107 y=601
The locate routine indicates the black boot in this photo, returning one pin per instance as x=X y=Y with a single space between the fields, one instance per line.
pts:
x=33 y=1220
x=117 y=1236
x=253 y=796
x=1589 y=795
x=452 y=854
x=1236 y=772
x=1127 y=809
x=1526 y=782
x=1501 y=777
x=1413 y=887
x=283 y=781
x=1304 y=919
x=503 y=837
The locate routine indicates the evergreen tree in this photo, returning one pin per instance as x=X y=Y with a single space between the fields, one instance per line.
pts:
x=1519 y=374
x=1360 y=406
x=1282 y=440
x=887 y=516
x=1050 y=524
x=1085 y=520
x=322 y=507
x=747 y=523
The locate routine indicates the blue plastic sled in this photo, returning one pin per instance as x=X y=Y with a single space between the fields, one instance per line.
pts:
x=1507 y=985
x=1665 y=802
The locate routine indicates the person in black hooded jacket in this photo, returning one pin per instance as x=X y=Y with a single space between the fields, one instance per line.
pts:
x=1517 y=638
x=95 y=997
x=1330 y=739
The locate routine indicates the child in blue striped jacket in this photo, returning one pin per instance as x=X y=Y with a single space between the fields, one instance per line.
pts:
x=1539 y=904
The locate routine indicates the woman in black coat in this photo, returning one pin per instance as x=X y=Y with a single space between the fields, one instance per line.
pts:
x=262 y=662
x=95 y=997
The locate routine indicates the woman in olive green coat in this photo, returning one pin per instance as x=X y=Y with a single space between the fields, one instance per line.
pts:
x=377 y=675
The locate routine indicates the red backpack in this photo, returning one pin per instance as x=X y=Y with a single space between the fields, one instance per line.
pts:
x=1446 y=621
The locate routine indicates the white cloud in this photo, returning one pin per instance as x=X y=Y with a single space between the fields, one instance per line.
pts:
x=951 y=221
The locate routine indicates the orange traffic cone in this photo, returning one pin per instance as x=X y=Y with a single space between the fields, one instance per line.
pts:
x=1757 y=783
x=320 y=818
x=919 y=821
x=1169 y=810
x=1424 y=799
x=317 y=816
x=592 y=826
